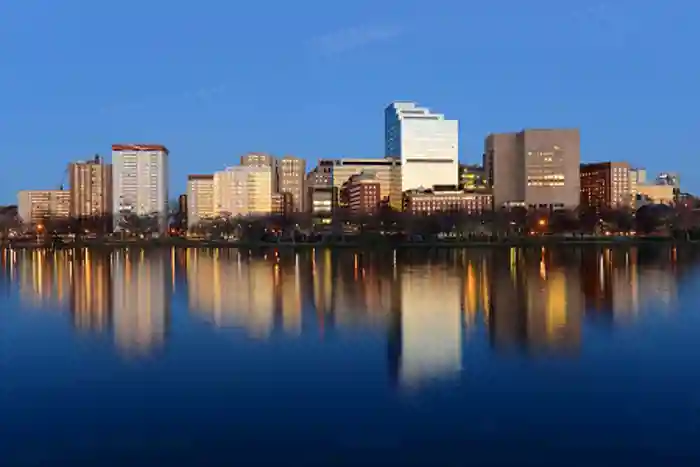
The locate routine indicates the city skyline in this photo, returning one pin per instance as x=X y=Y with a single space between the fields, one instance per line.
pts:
x=321 y=81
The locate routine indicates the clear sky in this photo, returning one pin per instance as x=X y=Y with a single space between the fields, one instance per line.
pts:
x=213 y=79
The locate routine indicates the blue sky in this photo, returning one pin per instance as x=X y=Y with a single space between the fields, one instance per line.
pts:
x=213 y=79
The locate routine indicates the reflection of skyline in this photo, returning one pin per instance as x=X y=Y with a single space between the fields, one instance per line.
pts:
x=232 y=290
x=534 y=299
x=140 y=300
x=91 y=290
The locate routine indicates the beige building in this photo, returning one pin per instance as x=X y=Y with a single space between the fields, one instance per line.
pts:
x=386 y=171
x=243 y=191
x=90 y=188
x=34 y=206
x=200 y=199
x=290 y=179
x=537 y=167
x=260 y=160
x=606 y=185
x=656 y=194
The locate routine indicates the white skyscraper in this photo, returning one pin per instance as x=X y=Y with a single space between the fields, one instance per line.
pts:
x=426 y=143
x=140 y=181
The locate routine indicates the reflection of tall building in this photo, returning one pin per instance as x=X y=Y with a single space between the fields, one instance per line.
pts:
x=231 y=290
x=91 y=298
x=140 y=300
x=476 y=288
x=554 y=308
x=431 y=331
x=288 y=290
x=535 y=303
x=322 y=270
x=44 y=277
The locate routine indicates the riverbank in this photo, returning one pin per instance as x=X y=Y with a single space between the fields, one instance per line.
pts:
x=496 y=243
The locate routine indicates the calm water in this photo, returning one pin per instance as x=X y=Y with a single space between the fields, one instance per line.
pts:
x=481 y=357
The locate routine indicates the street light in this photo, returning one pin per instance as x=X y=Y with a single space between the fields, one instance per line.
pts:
x=542 y=222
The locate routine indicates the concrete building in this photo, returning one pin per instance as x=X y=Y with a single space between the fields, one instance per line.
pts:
x=282 y=204
x=140 y=182
x=440 y=200
x=605 y=185
x=537 y=167
x=362 y=192
x=386 y=171
x=34 y=206
x=243 y=191
x=472 y=178
x=90 y=188
x=638 y=176
x=200 y=199
x=262 y=159
x=290 y=179
x=426 y=144
x=655 y=194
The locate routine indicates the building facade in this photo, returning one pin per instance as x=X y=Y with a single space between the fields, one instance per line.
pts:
x=90 y=188
x=200 y=199
x=387 y=173
x=36 y=206
x=262 y=160
x=472 y=178
x=282 y=204
x=291 y=172
x=425 y=143
x=538 y=167
x=363 y=193
x=140 y=182
x=435 y=201
x=243 y=191
x=606 y=185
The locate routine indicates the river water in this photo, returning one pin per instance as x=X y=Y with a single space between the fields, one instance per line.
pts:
x=571 y=356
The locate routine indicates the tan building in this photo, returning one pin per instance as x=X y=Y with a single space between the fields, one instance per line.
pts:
x=656 y=194
x=290 y=179
x=537 y=167
x=200 y=199
x=34 y=206
x=282 y=204
x=262 y=159
x=362 y=192
x=386 y=171
x=90 y=188
x=606 y=185
x=243 y=191
x=430 y=201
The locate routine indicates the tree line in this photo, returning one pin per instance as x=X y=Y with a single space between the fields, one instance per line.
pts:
x=679 y=221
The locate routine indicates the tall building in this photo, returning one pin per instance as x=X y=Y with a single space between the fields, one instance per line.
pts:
x=261 y=159
x=200 y=199
x=537 y=167
x=34 y=206
x=140 y=182
x=243 y=191
x=606 y=185
x=426 y=143
x=90 y=188
x=290 y=179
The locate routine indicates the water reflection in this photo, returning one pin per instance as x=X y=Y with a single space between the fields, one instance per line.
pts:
x=425 y=304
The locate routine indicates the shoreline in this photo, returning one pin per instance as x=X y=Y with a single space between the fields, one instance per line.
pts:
x=204 y=244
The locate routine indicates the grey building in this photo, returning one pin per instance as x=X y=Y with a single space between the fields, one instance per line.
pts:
x=538 y=167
